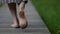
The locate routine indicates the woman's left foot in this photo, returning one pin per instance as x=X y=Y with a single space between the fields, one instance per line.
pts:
x=15 y=24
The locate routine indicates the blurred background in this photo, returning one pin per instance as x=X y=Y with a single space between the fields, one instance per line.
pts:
x=50 y=13
x=49 y=10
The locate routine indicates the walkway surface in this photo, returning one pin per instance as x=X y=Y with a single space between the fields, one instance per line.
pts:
x=36 y=25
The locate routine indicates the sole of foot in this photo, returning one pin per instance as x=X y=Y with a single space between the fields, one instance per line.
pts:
x=23 y=21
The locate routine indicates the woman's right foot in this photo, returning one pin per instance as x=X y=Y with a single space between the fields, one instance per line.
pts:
x=23 y=22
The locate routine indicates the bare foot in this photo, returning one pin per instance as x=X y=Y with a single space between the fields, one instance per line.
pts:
x=23 y=22
x=15 y=25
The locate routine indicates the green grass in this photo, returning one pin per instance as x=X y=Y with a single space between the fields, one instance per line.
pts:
x=1 y=4
x=50 y=13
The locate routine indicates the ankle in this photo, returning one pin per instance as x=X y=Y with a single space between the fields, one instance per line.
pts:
x=21 y=14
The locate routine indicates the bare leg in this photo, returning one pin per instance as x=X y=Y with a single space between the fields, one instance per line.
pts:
x=23 y=21
x=12 y=7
